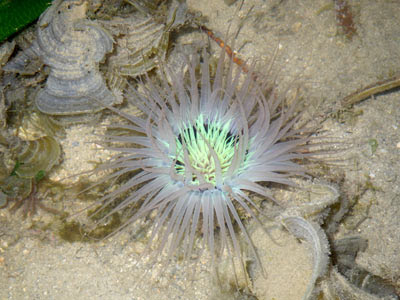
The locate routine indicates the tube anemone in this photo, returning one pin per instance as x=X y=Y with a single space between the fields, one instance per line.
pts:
x=201 y=148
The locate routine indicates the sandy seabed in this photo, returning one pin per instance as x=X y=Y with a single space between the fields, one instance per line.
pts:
x=327 y=66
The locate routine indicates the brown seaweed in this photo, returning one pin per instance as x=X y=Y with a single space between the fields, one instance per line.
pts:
x=344 y=17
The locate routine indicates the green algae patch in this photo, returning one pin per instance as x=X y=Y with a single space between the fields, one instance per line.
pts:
x=373 y=143
x=75 y=232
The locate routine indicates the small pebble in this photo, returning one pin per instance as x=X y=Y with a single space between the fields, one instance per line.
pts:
x=296 y=26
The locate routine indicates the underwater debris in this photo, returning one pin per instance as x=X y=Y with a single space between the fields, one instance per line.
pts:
x=232 y=55
x=35 y=125
x=346 y=279
x=339 y=287
x=315 y=236
x=72 y=47
x=370 y=90
x=6 y=49
x=31 y=161
x=3 y=109
x=141 y=46
x=27 y=62
x=15 y=187
x=35 y=156
x=25 y=160
x=142 y=39
x=20 y=63
x=32 y=200
x=359 y=280
x=303 y=221
x=147 y=7
x=344 y=17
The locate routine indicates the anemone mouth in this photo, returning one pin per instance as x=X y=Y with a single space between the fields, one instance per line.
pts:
x=205 y=152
